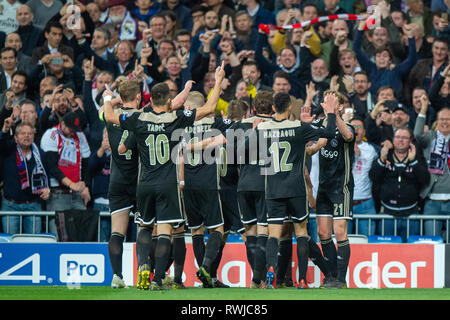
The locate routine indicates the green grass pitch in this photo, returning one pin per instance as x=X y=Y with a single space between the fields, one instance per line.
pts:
x=131 y=293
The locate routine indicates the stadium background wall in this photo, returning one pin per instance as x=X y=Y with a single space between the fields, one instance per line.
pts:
x=371 y=265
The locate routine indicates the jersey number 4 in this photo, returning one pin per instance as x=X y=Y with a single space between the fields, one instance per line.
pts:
x=124 y=137
x=280 y=164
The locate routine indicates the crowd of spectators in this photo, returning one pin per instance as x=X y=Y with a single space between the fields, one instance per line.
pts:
x=56 y=58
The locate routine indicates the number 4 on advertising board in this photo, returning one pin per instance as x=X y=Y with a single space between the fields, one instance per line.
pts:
x=35 y=276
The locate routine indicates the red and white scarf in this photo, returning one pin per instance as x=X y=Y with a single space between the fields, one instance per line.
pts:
x=69 y=156
x=344 y=16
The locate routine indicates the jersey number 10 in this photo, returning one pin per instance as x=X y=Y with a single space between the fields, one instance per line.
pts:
x=158 y=148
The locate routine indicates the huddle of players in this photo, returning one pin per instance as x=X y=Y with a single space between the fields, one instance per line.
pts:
x=265 y=200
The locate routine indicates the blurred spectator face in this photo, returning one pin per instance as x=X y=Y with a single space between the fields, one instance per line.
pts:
x=212 y=62
x=13 y=41
x=331 y=4
x=211 y=19
x=417 y=32
x=281 y=16
x=170 y=24
x=288 y=3
x=61 y=103
x=319 y=70
x=443 y=121
x=361 y=84
x=114 y=35
x=173 y=66
x=28 y=113
x=241 y=90
x=271 y=36
x=102 y=80
x=46 y=99
x=8 y=60
x=143 y=4
x=400 y=119
x=165 y=49
x=158 y=26
x=339 y=25
x=184 y=41
x=212 y=3
x=18 y=84
x=348 y=63
x=309 y=12
x=359 y=130
x=124 y=53
x=24 y=15
x=46 y=84
x=243 y=23
x=440 y=51
x=287 y=58
x=297 y=35
x=24 y=137
x=209 y=82
x=380 y=37
x=54 y=37
x=172 y=88
x=397 y=18
x=117 y=13
x=198 y=17
x=99 y=42
x=401 y=140
x=445 y=87
x=251 y=74
x=382 y=60
x=102 y=4
x=387 y=117
x=67 y=132
x=94 y=12
x=386 y=94
x=416 y=6
x=416 y=95
x=327 y=31
x=281 y=84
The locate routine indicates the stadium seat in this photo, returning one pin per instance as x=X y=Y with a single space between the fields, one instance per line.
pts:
x=385 y=239
x=5 y=237
x=235 y=238
x=33 y=238
x=425 y=239
x=355 y=239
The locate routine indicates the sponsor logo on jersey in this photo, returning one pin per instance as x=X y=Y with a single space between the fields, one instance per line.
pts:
x=329 y=154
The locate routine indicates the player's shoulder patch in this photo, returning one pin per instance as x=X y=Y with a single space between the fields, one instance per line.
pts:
x=187 y=113
x=227 y=121
x=124 y=116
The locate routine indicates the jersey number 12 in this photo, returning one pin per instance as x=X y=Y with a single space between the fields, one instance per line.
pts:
x=280 y=164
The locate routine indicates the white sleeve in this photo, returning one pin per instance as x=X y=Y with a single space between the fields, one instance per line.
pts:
x=49 y=141
x=84 y=145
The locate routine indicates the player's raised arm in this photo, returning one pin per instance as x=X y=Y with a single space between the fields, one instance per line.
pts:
x=179 y=100
x=329 y=105
x=109 y=114
x=343 y=128
x=210 y=105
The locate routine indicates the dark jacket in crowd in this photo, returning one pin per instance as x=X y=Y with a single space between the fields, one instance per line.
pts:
x=400 y=183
